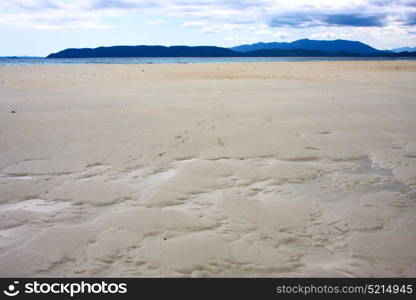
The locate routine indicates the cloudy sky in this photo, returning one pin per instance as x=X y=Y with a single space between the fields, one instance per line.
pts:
x=39 y=27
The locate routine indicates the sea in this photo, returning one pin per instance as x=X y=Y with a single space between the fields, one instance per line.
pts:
x=34 y=61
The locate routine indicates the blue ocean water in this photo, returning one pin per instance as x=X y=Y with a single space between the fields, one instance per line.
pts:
x=30 y=61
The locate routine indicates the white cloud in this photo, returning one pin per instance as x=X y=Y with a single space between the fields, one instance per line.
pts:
x=194 y=24
x=263 y=31
x=219 y=28
x=281 y=34
x=156 y=21
x=50 y=14
x=276 y=13
x=324 y=36
x=383 y=22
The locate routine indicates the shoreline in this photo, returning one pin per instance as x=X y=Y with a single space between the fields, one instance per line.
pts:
x=182 y=60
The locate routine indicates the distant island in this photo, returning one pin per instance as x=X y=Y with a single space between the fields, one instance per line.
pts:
x=299 y=48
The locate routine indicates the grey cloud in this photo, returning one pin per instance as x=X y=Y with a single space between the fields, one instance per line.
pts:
x=355 y=20
x=404 y=3
x=410 y=19
x=293 y=20
x=308 y=20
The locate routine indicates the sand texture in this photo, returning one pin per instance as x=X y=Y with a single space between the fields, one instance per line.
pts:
x=256 y=169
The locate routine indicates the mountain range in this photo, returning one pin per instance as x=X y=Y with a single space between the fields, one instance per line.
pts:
x=145 y=51
x=303 y=47
x=306 y=44
x=402 y=49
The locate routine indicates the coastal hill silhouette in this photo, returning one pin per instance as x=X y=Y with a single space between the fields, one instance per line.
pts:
x=299 y=48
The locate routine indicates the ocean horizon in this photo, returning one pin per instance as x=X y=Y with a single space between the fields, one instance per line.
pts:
x=30 y=61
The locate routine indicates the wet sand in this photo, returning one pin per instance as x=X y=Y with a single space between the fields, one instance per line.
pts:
x=240 y=169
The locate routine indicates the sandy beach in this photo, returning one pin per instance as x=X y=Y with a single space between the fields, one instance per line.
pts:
x=281 y=169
